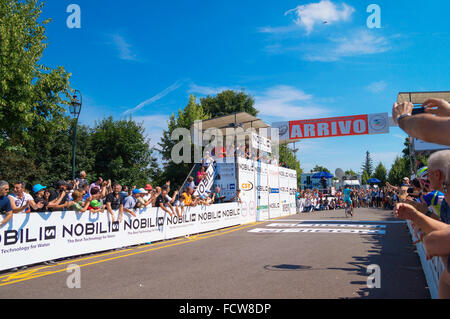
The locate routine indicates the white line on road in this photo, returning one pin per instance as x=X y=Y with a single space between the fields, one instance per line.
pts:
x=343 y=221
x=317 y=230
x=325 y=225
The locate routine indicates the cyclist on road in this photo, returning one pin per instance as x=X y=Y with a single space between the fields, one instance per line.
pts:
x=347 y=200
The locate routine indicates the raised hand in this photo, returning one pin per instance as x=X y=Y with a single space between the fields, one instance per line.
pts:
x=437 y=107
x=405 y=211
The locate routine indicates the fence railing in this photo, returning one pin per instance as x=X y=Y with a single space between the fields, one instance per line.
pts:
x=433 y=269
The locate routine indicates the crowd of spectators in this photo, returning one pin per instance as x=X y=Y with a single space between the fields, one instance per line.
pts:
x=373 y=197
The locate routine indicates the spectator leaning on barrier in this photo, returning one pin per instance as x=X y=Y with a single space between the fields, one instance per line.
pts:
x=237 y=197
x=114 y=201
x=131 y=203
x=433 y=127
x=217 y=198
x=21 y=201
x=188 y=197
x=58 y=199
x=163 y=202
x=39 y=199
x=5 y=203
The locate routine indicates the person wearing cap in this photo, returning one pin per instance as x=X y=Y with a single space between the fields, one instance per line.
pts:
x=95 y=206
x=39 y=199
x=205 y=199
x=131 y=203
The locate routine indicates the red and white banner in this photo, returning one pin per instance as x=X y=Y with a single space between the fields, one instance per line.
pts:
x=334 y=127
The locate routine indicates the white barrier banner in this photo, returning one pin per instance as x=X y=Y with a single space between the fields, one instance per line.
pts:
x=34 y=238
x=262 y=191
x=285 y=201
x=246 y=171
x=274 y=192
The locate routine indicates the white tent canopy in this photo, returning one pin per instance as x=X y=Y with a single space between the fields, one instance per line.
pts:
x=352 y=183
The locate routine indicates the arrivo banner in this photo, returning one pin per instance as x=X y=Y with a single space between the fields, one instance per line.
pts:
x=334 y=127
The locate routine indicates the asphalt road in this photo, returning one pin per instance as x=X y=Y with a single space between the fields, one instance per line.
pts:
x=278 y=262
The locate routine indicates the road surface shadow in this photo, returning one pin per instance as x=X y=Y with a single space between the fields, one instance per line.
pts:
x=400 y=269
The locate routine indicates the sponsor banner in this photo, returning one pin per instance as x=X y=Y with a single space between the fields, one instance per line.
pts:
x=206 y=183
x=285 y=192
x=247 y=172
x=261 y=143
x=226 y=179
x=274 y=192
x=262 y=191
x=38 y=237
x=334 y=127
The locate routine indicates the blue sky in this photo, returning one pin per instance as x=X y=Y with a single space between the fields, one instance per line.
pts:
x=146 y=57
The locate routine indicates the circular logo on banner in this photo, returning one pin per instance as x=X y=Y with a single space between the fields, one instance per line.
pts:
x=378 y=123
x=284 y=129
x=244 y=210
x=251 y=207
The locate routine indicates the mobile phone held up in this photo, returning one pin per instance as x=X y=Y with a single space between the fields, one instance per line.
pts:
x=418 y=109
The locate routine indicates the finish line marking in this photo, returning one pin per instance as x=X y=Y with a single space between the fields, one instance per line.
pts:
x=317 y=230
x=324 y=225
x=346 y=221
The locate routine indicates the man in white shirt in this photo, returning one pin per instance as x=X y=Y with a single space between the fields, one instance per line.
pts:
x=21 y=201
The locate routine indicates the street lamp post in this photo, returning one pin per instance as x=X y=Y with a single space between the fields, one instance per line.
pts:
x=75 y=110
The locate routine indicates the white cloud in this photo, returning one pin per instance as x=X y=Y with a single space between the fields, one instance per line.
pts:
x=286 y=102
x=155 y=98
x=325 y=11
x=377 y=87
x=124 y=48
x=359 y=43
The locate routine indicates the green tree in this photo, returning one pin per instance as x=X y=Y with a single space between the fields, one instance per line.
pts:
x=350 y=173
x=398 y=171
x=380 y=173
x=122 y=152
x=32 y=96
x=320 y=169
x=365 y=177
x=368 y=165
x=185 y=118
x=228 y=102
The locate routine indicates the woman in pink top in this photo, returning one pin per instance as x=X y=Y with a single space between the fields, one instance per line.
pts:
x=200 y=175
